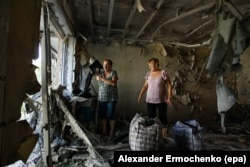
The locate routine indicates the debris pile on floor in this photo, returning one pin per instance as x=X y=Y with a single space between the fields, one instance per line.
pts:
x=73 y=144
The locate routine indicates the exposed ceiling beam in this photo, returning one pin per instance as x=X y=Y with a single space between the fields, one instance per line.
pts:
x=205 y=43
x=201 y=26
x=234 y=10
x=105 y=28
x=162 y=40
x=91 y=24
x=111 y=8
x=158 y=5
x=183 y=16
x=131 y=15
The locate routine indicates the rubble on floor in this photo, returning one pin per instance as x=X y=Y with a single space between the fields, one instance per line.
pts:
x=75 y=145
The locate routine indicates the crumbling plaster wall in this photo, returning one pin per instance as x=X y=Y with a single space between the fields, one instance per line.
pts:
x=194 y=93
x=243 y=79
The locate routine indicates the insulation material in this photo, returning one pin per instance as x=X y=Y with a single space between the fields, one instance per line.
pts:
x=226 y=26
x=240 y=44
x=225 y=97
x=217 y=54
x=242 y=35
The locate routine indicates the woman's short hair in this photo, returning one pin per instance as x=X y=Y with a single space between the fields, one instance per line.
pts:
x=109 y=61
x=155 y=60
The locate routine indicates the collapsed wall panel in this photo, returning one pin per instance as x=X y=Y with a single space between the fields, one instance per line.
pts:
x=20 y=45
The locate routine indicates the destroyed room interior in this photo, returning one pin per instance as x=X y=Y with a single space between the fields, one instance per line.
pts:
x=53 y=51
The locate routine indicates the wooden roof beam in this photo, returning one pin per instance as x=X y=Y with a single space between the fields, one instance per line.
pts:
x=183 y=16
x=150 y=18
x=111 y=8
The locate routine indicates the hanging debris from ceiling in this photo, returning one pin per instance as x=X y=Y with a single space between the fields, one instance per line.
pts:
x=230 y=35
x=230 y=39
x=139 y=6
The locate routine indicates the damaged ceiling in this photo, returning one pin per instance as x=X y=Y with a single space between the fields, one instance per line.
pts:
x=132 y=22
x=145 y=21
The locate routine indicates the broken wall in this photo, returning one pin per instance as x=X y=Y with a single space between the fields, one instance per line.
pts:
x=19 y=31
x=243 y=79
